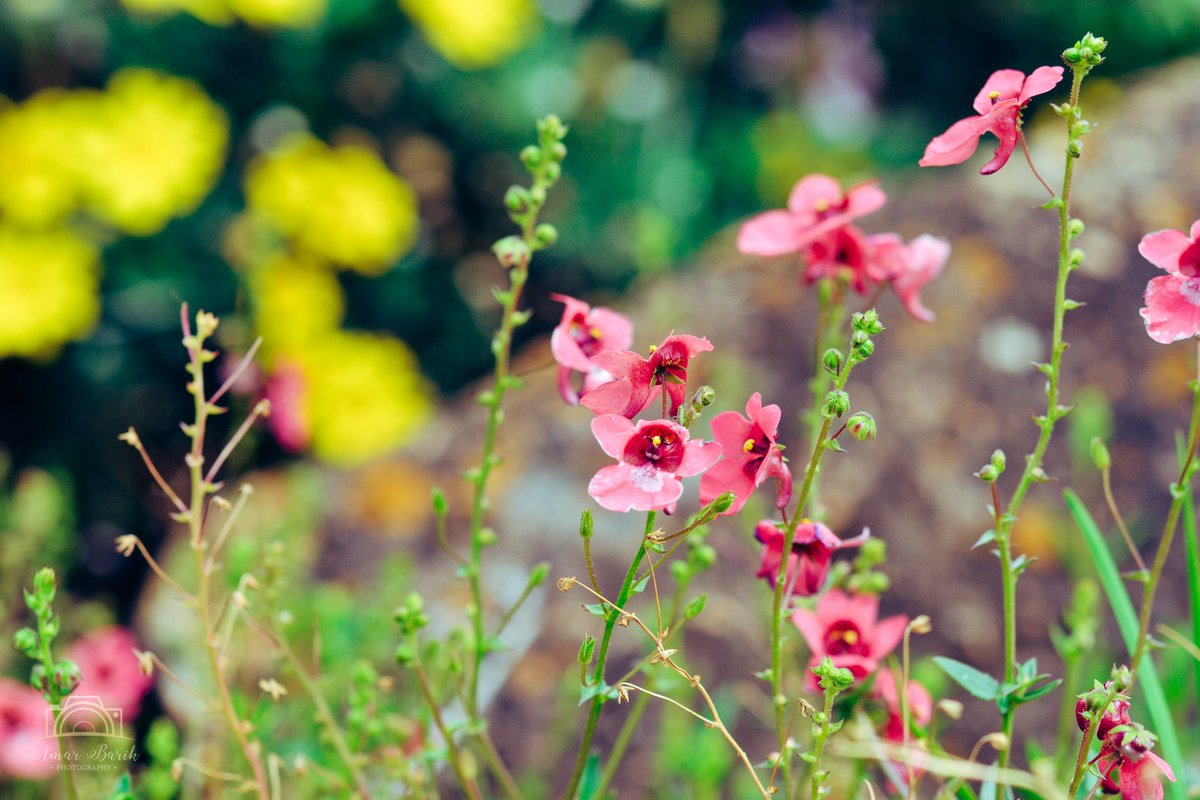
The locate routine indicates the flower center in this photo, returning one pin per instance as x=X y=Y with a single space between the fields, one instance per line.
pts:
x=586 y=336
x=1190 y=289
x=844 y=638
x=657 y=446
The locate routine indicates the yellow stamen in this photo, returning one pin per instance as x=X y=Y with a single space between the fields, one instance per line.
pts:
x=653 y=347
x=748 y=446
x=656 y=440
x=595 y=332
x=994 y=96
x=821 y=205
x=850 y=637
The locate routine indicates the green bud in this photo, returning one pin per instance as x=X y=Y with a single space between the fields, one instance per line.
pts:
x=406 y=655
x=1071 y=55
x=1075 y=258
x=25 y=642
x=65 y=677
x=516 y=199
x=551 y=127
x=586 y=649
x=1122 y=678
x=552 y=171
x=863 y=350
x=1074 y=228
x=1100 y=456
x=833 y=678
x=487 y=537
x=695 y=606
x=867 y=322
x=1075 y=148
x=999 y=460
x=705 y=396
x=723 y=502
x=861 y=426
x=38 y=678
x=585 y=524
x=872 y=552
x=537 y=575
x=833 y=360
x=531 y=156
x=988 y=473
x=704 y=556
x=438 y=500
x=680 y=570
x=837 y=402
x=545 y=235
x=511 y=251
x=44 y=583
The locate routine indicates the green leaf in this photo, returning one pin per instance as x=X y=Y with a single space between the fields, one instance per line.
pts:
x=122 y=789
x=1127 y=621
x=695 y=606
x=598 y=689
x=988 y=537
x=640 y=586
x=1041 y=691
x=597 y=609
x=978 y=684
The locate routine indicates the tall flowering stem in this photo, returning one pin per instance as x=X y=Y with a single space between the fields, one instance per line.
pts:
x=1068 y=261
x=835 y=404
x=514 y=252
x=830 y=316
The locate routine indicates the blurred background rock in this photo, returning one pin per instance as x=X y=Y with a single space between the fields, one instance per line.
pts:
x=328 y=175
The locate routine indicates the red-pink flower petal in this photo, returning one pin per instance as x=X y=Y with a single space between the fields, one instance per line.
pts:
x=957 y=144
x=1003 y=84
x=1165 y=248
x=623 y=487
x=812 y=191
x=772 y=233
x=23 y=742
x=1005 y=127
x=1142 y=780
x=697 y=457
x=1040 y=81
x=1172 y=310
x=922 y=260
x=612 y=431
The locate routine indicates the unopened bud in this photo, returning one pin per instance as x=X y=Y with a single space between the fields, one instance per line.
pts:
x=999 y=460
x=833 y=361
x=1100 y=456
x=65 y=677
x=861 y=426
x=25 y=642
x=585 y=524
x=837 y=403
x=988 y=473
x=44 y=583
x=511 y=251
x=723 y=502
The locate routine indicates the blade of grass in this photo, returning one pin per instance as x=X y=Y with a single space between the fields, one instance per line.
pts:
x=1127 y=621
x=1193 y=571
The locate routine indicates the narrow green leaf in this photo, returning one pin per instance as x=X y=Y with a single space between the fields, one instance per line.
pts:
x=988 y=537
x=1127 y=621
x=977 y=683
x=1193 y=570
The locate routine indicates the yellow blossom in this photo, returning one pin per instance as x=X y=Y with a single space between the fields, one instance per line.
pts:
x=340 y=204
x=364 y=395
x=39 y=154
x=295 y=301
x=156 y=149
x=474 y=33
x=279 y=13
x=214 y=12
x=48 y=285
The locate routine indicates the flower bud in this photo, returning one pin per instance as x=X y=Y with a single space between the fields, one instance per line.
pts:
x=1072 y=55
x=545 y=235
x=999 y=460
x=516 y=199
x=837 y=402
x=585 y=524
x=25 y=642
x=1075 y=148
x=831 y=677
x=864 y=349
x=44 y=583
x=1100 y=456
x=704 y=556
x=988 y=473
x=1075 y=228
x=586 y=649
x=861 y=426
x=537 y=575
x=1122 y=678
x=723 y=502
x=65 y=677
x=511 y=251
x=833 y=360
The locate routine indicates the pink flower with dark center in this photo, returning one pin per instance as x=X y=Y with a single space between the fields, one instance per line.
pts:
x=999 y=104
x=816 y=206
x=1135 y=778
x=751 y=455
x=635 y=378
x=652 y=456
x=584 y=332
x=1172 y=309
x=847 y=628
x=109 y=670
x=907 y=267
x=845 y=252
x=23 y=745
x=808 y=566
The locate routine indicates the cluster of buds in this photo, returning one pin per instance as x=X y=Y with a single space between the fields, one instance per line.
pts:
x=54 y=679
x=1125 y=762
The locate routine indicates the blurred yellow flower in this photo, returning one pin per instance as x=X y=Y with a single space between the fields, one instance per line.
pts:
x=472 y=34
x=362 y=396
x=39 y=156
x=214 y=12
x=295 y=302
x=340 y=204
x=155 y=150
x=48 y=285
x=279 y=13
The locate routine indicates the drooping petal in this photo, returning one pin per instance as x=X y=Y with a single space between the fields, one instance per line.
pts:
x=1172 y=310
x=1040 y=81
x=956 y=145
x=1004 y=84
x=1004 y=125
x=726 y=475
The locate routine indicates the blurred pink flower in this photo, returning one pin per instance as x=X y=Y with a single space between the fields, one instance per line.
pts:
x=653 y=455
x=751 y=455
x=907 y=267
x=582 y=333
x=110 y=671
x=23 y=746
x=635 y=378
x=1139 y=779
x=286 y=390
x=1172 y=309
x=847 y=628
x=920 y=704
x=816 y=207
x=813 y=547
x=999 y=104
x=844 y=252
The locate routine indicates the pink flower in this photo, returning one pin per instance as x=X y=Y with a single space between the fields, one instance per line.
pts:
x=920 y=704
x=110 y=671
x=751 y=455
x=1135 y=779
x=288 y=421
x=848 y=629
x=23 y=746
x=652 y=456
x=813 y=547
x=908 y=267
x=1172 y=309
x=999 y=104
x=634 y=377
x=582 y=333
x=846 y=252
x=816 y=206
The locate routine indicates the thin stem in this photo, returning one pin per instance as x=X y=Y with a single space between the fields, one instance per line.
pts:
x=129 y=542
x=1105 y=478
x=496 y=764
x=587 y=559
x=131 y=438
x=1029 y=161
x=1033 y=463
x=261 y=409
x=589 y=729
x=468 y=785
x=817 y=777
x=238 y=371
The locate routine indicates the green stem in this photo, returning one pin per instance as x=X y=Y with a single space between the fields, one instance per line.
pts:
x=610 y=622
x=826 y=728
x=779 y=699
x=1033 y=463
x=830 y=312
x=456 y=762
